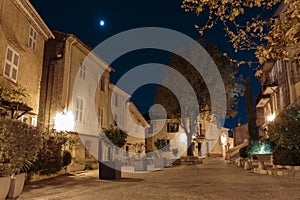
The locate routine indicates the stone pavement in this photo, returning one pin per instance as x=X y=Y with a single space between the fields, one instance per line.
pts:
x=215 y=179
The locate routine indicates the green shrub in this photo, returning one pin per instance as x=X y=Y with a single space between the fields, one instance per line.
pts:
x=88 y=166
x=67 y=158
x=286 y=156
x=114 y=135
x=175 y=152
x=19 y=147
x=284 y=132
x=162 y=145
x=50 y=156
x=243 y=152
x=261 y=148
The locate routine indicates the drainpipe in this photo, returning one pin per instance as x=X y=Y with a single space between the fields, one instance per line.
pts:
x=288 y=82
x=47 y=91
x=66 y=106
x=292 y=81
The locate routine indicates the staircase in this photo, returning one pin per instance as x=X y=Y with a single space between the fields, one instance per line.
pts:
x=233 y=153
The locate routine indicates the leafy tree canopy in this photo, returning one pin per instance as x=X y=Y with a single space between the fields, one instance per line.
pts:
x=182 y=106
x=233 y=83
x=114 y=135
x=272 y=37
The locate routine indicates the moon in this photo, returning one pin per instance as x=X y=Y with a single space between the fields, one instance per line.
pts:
x=102 y=22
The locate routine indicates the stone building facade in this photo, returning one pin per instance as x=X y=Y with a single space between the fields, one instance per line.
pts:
x=22 y=38
x=280 y=86
x=172 y=131
x=77 y=97
x=124 y=114
x=74 y=92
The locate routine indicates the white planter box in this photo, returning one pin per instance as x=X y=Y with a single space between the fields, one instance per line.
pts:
x=160 y=162
x=16 y=186
x=140 y=165
x=5 y=184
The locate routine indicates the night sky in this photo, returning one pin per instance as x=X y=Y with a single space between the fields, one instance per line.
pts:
x=83 y=20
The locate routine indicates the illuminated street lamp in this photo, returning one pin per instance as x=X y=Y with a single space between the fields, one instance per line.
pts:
x=224 y=143
x=271 y=117
x=64 y=121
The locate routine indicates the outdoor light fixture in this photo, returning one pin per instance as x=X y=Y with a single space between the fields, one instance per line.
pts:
x=64 y=121
x=183 y=138
x=223 y=139
x=271 y=117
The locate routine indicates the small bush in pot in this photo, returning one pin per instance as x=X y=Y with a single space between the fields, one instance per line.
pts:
x=20 y=144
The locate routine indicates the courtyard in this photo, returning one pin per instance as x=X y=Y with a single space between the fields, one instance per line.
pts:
x=214 y=179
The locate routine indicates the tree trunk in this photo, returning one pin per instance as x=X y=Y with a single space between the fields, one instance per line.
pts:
x=189 y=145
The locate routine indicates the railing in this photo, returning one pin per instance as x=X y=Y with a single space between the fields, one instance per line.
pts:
x=262 y=96
x=269 y=83
x=235 y=150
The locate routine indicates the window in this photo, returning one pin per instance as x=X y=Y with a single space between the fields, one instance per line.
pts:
x=32 y=38
x=82 y=71
x=116 y=100
x=88 y=145
x=11 y=64
x=151 y=128
x=172 y=127
x=116 y=120
x=100 y=117
x=79 y=109
x=33 y=121
x=102 y=84
x=25 y=119
x=127 y=151
x=297 y=75
x=298 y=66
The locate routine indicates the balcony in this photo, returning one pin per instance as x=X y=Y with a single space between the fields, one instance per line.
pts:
x=262 y=99
x=269 y=86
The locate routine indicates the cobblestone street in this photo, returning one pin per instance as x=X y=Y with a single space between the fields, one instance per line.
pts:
x=214 y=179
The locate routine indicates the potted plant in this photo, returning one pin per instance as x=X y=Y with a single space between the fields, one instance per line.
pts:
x=19 y=145
x=139 y=163
x=67 y=159
x=177 y=161
x=112 y=138
x=162 y=145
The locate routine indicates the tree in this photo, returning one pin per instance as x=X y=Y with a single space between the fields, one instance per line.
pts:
x=67 y=159
x=252 y=128
x=162 y=145
x=11 y=102
x=284 y=132
x=116 y=136
x=186 y=112
x=50 y=158
x=20 y=145
x=272 y=37
x=113 y=137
